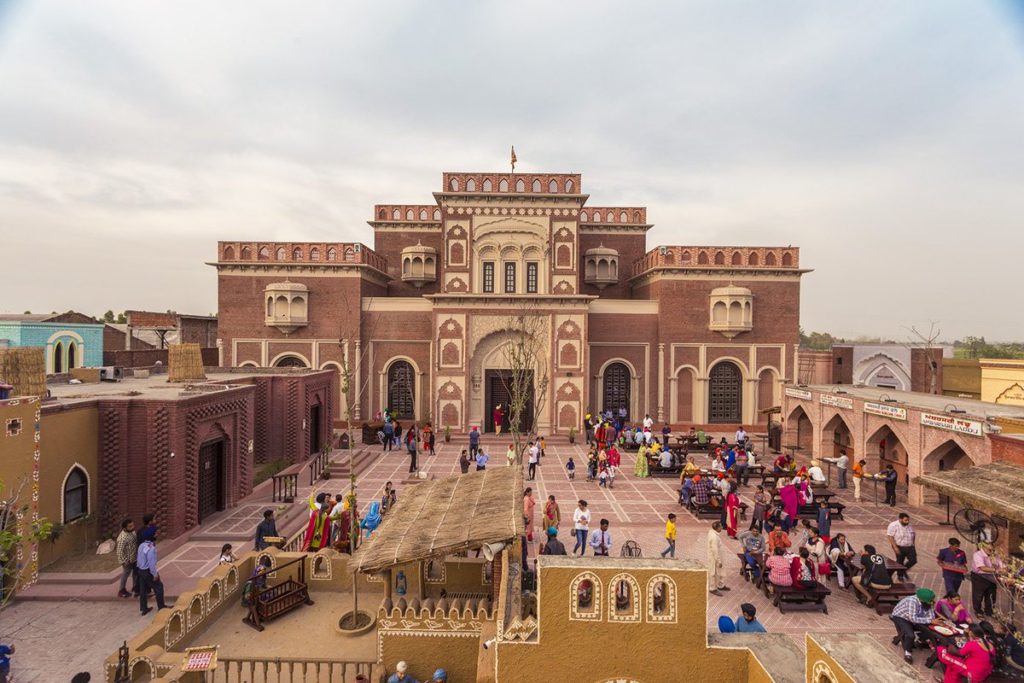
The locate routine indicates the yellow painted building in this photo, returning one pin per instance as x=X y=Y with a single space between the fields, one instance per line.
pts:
x=1002 y=381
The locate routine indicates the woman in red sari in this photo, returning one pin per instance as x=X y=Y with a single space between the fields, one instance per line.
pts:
x=732 y=512
x=318 y=531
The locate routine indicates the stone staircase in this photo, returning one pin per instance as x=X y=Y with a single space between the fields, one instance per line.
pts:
x=342 y=465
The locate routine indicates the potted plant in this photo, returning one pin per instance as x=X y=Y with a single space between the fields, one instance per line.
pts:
x=572 y=435
x=447 y=433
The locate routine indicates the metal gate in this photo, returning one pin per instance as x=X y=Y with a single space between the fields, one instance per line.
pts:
x=497 y=392
x=402 y=390
x=726 y=398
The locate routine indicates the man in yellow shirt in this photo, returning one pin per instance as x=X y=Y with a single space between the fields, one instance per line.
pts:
x=670 y=536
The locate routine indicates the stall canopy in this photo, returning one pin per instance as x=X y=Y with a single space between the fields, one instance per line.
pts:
x=438 y=518
x=996 y=488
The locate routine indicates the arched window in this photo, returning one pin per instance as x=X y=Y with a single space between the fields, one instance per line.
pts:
x=623 y=217
x=487 y=185
x=423 y=214
x=314 y=254
x=503 y=185
x=661 y=599
x=229 y=253
x=585 y=598
x=568 y=186
x=297 y=254
x=246 y=253
x=409 y=214
x=552 y=186
x=58 y=358
x=454 y=185
x=616 y=391
x=290 y=362
x=72 y=353
x=520 y=185
x=332 y=254
x=536 y=185
x=401 y=390
x=769 y=259
x=584 y=217
x=597 y=216
x=281 y=253
x=725 y=394
x=264 y=254
x=719 y=258
x=752 y=259
x=437 y=214
x=737 y=258
x=76 y=495
x=624 y=600
x=470 y=185
x=787 y=259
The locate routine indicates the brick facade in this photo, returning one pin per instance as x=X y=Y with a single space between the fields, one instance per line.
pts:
x=445 y=282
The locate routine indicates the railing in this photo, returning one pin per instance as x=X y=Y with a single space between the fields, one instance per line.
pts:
x=718 y=257
x=318 y=465
x=292 y=670
x=315 y=253
x=294 y=542
x=286 y=486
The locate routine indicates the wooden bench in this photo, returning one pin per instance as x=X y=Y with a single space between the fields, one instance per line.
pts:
x=801 y=598
x=884 y=599
x=704 y=511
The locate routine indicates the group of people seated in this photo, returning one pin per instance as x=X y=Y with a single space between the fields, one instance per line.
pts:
x=612 y=428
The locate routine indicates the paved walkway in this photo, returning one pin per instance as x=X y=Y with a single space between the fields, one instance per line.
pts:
x=636 y=508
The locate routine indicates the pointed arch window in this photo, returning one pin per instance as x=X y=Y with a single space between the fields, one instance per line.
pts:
x=401 y=390
x=58 y=358
x=76 y=495
x=72 y=355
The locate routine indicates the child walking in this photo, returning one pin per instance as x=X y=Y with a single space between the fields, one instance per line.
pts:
x=670 y=537
x=570 y=468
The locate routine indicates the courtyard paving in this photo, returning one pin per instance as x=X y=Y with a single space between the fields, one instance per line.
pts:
x=636 y=508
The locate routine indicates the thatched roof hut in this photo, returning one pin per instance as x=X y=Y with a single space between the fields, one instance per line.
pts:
x=446 y=516
x=997 y=488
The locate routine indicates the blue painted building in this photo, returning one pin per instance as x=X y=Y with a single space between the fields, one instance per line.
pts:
x=71 y=340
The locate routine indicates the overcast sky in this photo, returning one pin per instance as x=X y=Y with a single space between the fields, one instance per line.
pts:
x=885 y=139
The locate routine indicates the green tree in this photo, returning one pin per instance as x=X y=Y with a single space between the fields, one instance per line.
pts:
x=108 y=317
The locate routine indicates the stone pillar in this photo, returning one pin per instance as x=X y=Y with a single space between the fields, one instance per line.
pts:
x=661 y=382
x=357 y=413
x=220 y=352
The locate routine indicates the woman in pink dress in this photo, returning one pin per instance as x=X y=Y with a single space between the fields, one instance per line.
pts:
x=790 y=500
x=732 y=512
x=971 y=662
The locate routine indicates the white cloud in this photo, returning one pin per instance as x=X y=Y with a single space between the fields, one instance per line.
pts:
x=883 y=139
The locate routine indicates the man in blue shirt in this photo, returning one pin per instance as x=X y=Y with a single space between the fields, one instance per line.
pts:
x=5 y=662
x=748 y=623
x=481 y=461
x=953 y=556
x=474 y=441
x=148 y=574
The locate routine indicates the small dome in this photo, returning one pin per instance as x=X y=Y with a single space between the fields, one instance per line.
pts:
x=731 y=290
x=601 y=251
x=287 y=287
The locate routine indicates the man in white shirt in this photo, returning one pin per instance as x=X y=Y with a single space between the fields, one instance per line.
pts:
x=534 y=458
x=815 y=473
x=741 y=436
x=601 y=540
x=648 y=422
x=902 y=538
x=715 y=583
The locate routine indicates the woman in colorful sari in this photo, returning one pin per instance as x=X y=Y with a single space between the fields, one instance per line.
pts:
x=640 y=468
x=790 y=500
x=318 y=531
x=552 y=515
x=732 y=512
x=342 y=523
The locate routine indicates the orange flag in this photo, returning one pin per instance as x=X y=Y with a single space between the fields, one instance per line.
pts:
x=514 y=158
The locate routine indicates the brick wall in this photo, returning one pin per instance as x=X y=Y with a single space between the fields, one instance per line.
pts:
x=1007 y=449
x=921 y=372
x=148 y=358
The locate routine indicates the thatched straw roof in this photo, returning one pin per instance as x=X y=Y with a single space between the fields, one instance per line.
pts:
x=994 y=488
x=438 y=518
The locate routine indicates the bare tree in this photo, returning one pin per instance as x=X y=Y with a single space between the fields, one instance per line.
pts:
x=929 y=341
x=14 y=535
x=526 y=354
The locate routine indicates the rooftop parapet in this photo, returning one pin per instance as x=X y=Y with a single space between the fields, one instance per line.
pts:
x=516 y=183
x=743 y=258
x=322 y=253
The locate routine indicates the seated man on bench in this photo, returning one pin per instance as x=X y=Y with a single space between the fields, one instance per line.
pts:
x=873 y=574
x=753 y=546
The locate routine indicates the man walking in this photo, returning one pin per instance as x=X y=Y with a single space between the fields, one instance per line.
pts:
x=268 y=527
x=148 y=575
x=901 y=537
x=474 y=441
x=601 y=540
x=127 y=552
x=534 y=458
x=714 y=561
x=410 y=443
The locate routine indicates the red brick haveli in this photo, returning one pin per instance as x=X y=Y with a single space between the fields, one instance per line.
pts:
x=686 y=334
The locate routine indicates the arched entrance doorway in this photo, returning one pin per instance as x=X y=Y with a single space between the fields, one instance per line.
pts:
x=799 y=431
x=949 y=456
x=616 y=383
x=887 y=447
x=835 y=437
x=725 y=397
x=401 y=390
x=290 y=362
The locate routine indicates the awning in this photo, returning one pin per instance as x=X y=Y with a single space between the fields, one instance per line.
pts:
x=996 y=488
x=438 y=518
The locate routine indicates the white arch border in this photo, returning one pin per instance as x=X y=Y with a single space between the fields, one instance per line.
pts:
x=65 y=333
x=88 y=491
x=59 y=337
x=673 y=399
x=249 y=364
x=748 y=398
x=342 y=398
x=285 y=354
